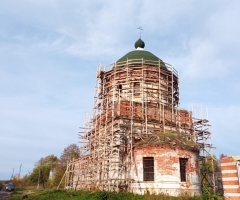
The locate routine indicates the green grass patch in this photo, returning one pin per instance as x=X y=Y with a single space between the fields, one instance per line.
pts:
x=53 y=194
x=171 y=140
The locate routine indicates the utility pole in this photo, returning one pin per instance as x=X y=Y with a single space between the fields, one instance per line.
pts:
x=19 y=172
x=12 y=175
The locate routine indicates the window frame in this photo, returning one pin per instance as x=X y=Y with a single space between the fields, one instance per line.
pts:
x=183 y=169
x=148 y=168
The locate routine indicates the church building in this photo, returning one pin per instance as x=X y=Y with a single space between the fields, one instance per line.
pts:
x=138 y=139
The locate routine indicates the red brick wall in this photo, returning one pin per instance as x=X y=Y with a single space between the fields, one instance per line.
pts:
x=167 y=171
x=230 y=178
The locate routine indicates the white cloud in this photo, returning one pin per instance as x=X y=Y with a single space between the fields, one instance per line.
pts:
x=49 y=51
x=162 y=16
x=212 y=52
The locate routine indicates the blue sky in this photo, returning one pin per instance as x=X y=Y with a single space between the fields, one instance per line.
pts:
x=49 y=51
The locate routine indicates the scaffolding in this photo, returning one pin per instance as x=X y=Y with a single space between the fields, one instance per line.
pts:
x=132 y=100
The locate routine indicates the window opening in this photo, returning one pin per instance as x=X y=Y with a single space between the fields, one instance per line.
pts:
x=148 y=169
x=120 y=88
x=136 y=89
x=183 y=169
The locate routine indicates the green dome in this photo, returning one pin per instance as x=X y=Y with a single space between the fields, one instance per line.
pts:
x=140 y=56
x=137 y=57
x=139 y=43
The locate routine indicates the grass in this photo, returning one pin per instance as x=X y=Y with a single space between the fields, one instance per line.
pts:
x=169 y=139
x=53 y=194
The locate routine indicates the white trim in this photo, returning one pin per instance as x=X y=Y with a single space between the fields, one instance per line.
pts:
x=230 y=179
x=229 y=171
x=236 y=158
x=233 y=194
x=228 y=164
x=230 y=186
